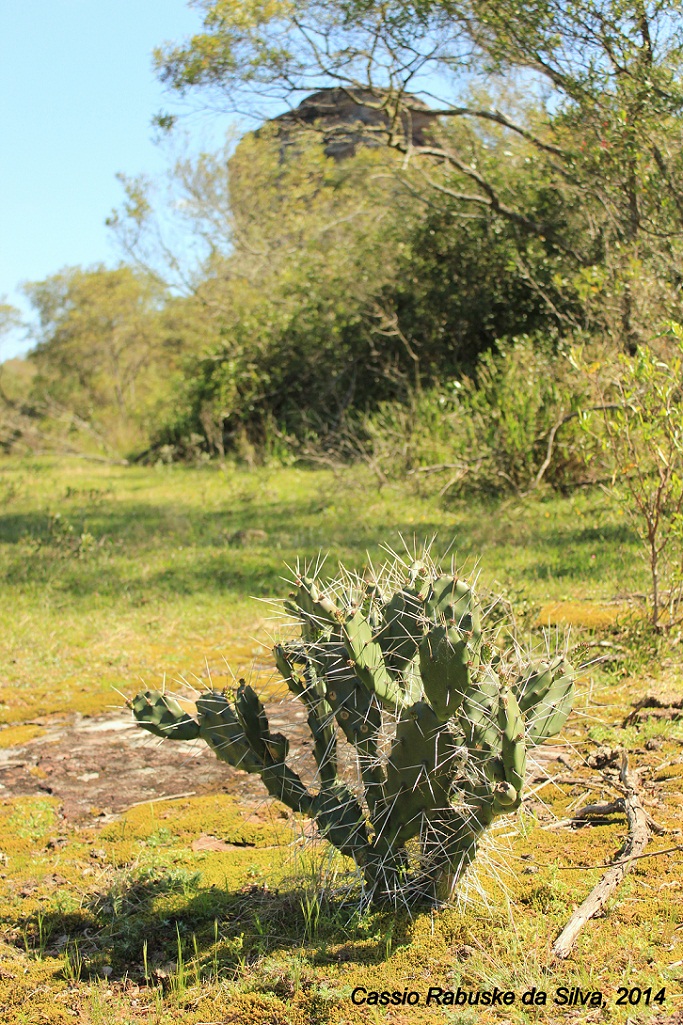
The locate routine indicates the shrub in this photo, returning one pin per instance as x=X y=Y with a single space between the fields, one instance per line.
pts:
x=638 y=426
x=511 y=426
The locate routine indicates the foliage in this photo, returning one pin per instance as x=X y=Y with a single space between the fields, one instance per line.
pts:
x=541 y=202
x=94 y=333
x=284 y=280
x=15 y=377
x=496 y=173
x=607 y=132
x=332 y=288
x=439 y=721
x=465 y=283
x=10 y=318
x=537 y=197
x=522 y=396
x=641 y=435
x=511 y=425
x=107 y=343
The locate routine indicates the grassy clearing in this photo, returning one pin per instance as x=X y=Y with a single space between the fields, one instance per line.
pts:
x=110 y=574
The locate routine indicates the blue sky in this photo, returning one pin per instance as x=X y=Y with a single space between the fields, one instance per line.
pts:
x=77 y=93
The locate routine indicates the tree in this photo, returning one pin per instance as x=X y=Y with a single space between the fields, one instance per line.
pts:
x=605 y=127
x=100 y=333
x=327 y=281
x=638 y=424
x=10 y=318
x=14 y=379
x=287 y=282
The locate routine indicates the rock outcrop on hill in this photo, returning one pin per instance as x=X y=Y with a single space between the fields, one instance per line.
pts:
x=346 y=118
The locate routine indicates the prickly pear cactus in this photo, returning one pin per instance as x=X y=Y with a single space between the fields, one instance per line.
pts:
x=398 y=667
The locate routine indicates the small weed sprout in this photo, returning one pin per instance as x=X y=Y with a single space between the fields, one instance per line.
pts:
x=73 y=963
x=36 y=941
x=179 y=978
x=195 y=961
x=310 y=909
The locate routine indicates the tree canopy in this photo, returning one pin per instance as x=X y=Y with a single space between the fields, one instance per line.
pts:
x=428 y=181
x=604 y=76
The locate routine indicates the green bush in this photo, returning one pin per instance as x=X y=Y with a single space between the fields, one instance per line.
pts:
x=637 y=422
x=512 y=424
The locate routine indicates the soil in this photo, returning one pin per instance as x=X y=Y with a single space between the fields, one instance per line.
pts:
x=98 y=767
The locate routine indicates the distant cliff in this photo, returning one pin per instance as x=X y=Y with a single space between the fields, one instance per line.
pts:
x=346 y=118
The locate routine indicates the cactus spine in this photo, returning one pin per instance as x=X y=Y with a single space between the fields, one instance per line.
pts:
x=403 y=652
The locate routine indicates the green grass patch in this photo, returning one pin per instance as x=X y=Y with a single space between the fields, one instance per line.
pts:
x=110 y=574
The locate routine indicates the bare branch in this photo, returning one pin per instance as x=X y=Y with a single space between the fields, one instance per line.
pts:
x=635 y=845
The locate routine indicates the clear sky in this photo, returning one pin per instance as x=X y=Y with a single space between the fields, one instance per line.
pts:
x=77 y=94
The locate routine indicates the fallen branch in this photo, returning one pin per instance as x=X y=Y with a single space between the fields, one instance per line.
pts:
x=622 y=861
x=597 y=814
x=640 y=715
x=653 y=707
x=608 y=808
x=638 y=834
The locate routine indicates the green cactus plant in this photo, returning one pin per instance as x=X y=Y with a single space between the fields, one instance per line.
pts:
x=399 y=668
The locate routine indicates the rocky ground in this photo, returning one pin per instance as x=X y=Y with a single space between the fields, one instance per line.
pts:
x=99 y=766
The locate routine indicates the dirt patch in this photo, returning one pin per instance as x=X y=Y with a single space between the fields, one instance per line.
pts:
x=99 y=766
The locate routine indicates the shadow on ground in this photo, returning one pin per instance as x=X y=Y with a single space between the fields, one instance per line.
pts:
x=158 y=923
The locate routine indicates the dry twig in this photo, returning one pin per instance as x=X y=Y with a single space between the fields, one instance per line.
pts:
x=638 y=835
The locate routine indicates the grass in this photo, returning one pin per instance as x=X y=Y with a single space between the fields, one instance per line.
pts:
x=112 y=574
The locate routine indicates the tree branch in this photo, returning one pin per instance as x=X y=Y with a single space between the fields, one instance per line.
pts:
x=635 y=844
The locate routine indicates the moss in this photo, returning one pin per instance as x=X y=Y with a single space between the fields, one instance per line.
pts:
x=25 y=822
x=17 y=736
x=670 y=772
x=72 y=628
x=216 y=815
x=590 y=615
x=32 y=991
x=257 y=1009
